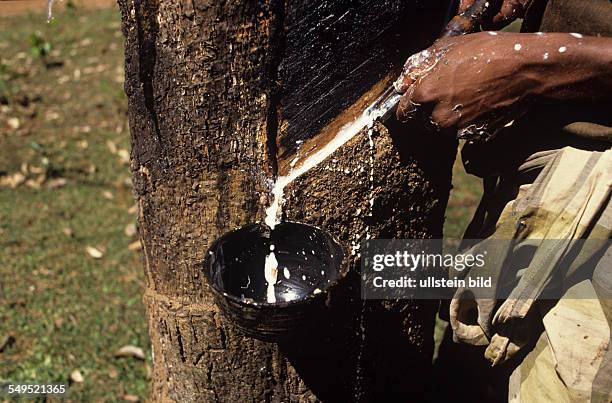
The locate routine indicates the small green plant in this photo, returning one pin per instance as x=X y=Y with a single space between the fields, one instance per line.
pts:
x=39 y=46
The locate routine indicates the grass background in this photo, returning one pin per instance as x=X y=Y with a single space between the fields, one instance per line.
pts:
x=64 y=142
x=63 y=118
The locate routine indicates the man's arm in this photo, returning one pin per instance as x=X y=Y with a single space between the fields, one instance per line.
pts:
x=486 y=79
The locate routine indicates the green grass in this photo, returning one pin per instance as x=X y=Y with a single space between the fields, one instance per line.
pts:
x=66 y=310
x=464 y=198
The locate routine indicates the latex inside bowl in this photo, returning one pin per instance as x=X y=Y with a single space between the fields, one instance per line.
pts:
x=309 y=262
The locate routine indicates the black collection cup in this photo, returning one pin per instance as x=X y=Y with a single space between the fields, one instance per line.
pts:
x=310 y=264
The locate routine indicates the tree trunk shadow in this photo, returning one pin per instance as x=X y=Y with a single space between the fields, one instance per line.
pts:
x=361 y=351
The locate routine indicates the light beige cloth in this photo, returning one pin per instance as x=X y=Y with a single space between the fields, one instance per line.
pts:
x=569 y=200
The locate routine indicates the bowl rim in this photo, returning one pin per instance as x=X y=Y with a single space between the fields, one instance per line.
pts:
x=344 y=269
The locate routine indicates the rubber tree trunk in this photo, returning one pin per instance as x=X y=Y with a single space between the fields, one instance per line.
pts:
x=221 y=94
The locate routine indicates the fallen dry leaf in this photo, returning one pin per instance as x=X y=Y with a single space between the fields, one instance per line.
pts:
x=43 y=270
x=56 y=183
x=90 y=169
x=37 y=182
x=32 y=184
x=76 y=376
x=93 y=252
x=6 y=342
x=124 y=156
x=134 y=246
x=112 y=147
x=50 y=115
x=95 y=69
x=37 y=170
x=14 y=123
x=13 y=180
x=130 y=230
x=130 y=351
x=130 y=398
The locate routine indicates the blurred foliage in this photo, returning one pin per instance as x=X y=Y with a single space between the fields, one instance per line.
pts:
x=39 y=46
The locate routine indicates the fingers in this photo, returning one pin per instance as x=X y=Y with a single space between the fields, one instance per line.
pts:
x=510 y=10
x=417 y=66
x=472 y=14
x=416 y=69
x=464 y=5
x=403 y=82
x=406 y=109
x=489 y=15
x=418 y=115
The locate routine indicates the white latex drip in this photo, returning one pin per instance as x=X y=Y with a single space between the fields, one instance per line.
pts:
x=50 y=10
x=347 y=132
x=274 y=212
x=271 y=274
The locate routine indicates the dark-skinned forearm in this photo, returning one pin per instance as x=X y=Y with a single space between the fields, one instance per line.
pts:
x=569 y=67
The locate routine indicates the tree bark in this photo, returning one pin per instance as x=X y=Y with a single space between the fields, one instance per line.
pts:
x=220 y=94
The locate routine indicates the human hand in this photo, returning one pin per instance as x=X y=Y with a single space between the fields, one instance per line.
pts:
x=468 y=83
x=496 y=14
x=478 y=83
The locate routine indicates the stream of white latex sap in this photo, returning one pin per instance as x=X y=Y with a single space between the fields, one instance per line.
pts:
x=274 y=212
x=271 y=274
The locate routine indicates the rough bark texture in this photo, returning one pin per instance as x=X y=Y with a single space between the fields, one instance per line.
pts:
x=219 y=92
